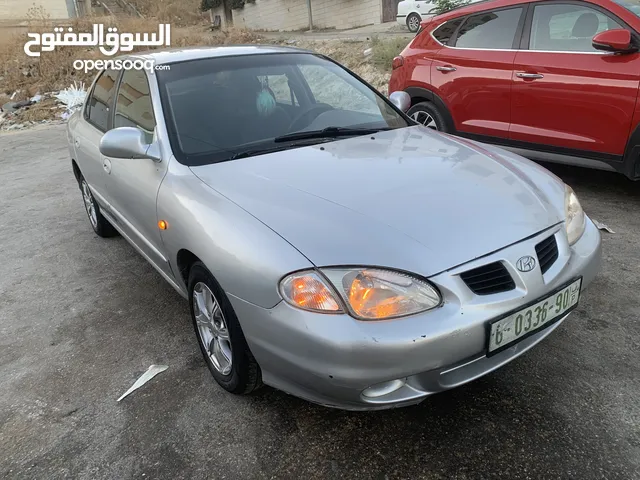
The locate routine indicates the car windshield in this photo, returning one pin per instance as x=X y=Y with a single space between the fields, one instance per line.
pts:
x=632 y=5
x=218 y=109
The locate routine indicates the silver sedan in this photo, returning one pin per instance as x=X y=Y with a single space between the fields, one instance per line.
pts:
x=327 y=245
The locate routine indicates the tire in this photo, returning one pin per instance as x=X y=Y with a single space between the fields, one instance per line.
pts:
x=427 y=114
x=413 y=22
x=219 y=335
x=100 y=225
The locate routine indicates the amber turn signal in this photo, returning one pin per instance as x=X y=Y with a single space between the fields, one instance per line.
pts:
x=162 y=225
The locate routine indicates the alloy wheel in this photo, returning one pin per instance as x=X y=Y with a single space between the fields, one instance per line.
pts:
x=414 y=24
x=425 y=119
x=89 y=204
x=212 y=328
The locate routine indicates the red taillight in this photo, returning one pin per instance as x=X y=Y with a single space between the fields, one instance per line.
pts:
x=397 y=62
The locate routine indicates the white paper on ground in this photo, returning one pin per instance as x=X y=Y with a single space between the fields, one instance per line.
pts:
x=602 y=226
x=151 y=372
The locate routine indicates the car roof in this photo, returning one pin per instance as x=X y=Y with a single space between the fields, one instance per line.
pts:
x=175 y=55
x=482 y=5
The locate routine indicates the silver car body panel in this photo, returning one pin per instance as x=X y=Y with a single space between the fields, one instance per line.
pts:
x=407 y=199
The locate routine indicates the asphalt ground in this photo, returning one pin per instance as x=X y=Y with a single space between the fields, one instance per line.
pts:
x=82 y=317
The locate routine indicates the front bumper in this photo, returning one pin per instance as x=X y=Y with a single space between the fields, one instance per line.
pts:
x=332 y=359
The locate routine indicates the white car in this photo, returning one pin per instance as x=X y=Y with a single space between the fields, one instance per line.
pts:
x=412 y=12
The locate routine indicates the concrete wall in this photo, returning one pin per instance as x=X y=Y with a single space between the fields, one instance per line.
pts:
x=286 y=15
x=220 y=11
x=17 y=9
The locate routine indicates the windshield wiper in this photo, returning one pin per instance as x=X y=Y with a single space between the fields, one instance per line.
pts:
x=329 y=132
x=252 y=152
x=257 y=151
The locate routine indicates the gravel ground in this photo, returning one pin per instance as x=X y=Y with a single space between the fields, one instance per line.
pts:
x=81 y=318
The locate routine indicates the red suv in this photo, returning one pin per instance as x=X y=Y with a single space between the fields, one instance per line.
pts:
x=554 y=80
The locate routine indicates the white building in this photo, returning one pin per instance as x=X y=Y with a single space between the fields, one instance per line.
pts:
x=19 y=9
x=287 y=15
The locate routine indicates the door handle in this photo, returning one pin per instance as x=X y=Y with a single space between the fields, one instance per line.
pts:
x=446 y=69
x=530 y=76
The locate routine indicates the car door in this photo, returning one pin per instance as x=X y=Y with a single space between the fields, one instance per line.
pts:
x=472 y=72
x=567 y=95
x=133 y=184
x=89 y=131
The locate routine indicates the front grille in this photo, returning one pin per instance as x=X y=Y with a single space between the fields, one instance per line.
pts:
x=547 y=251
x=488 y=279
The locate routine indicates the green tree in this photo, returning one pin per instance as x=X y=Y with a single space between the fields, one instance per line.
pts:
x=446 y=5
x=206 y=5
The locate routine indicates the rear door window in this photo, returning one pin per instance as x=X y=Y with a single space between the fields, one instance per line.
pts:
x=490 y=30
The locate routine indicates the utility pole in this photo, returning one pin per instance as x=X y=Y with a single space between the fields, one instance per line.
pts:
x=310 y=16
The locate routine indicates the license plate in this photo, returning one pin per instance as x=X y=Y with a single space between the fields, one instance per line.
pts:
x=527 y=321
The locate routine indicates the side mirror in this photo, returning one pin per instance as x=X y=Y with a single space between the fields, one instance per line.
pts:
x=401 y=99
x=128 y=142
x=617 y=41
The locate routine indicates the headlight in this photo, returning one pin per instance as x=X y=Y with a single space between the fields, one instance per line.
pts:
x=574 y=216
x=374 y=294
x=369 y=293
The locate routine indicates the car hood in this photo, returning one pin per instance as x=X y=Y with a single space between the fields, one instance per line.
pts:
x=409 y=198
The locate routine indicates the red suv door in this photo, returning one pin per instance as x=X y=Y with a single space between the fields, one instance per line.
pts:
x=473 y=75
x=566 y=93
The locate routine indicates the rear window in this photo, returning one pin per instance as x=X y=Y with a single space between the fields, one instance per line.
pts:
x=444 y=33
x=492 y=30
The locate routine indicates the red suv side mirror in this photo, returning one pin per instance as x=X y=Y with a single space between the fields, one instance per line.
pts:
x=617 y=40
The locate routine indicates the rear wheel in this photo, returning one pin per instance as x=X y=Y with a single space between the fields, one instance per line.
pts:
x=100 y=225
x=413 y=22
x=220 y=337
x=427 y=114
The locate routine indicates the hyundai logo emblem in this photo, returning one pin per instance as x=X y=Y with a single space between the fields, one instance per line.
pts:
x=526 y=263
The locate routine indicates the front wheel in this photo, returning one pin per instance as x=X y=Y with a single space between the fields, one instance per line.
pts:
x=220 y=337
x=427 y=114
x=100 y=225
x=413 y=22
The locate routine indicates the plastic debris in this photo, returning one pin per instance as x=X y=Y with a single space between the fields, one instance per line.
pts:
x=151 y=372
x=37 y=98
x=73 y=97
x=9 y=107
x=602 y=226
x=368 y=52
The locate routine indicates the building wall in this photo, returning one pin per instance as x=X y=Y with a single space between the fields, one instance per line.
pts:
x=287 y=15
x=220 y=11
x=17 y=9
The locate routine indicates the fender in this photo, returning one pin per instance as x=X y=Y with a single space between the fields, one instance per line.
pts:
x=419 y=94
x=631 y=163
